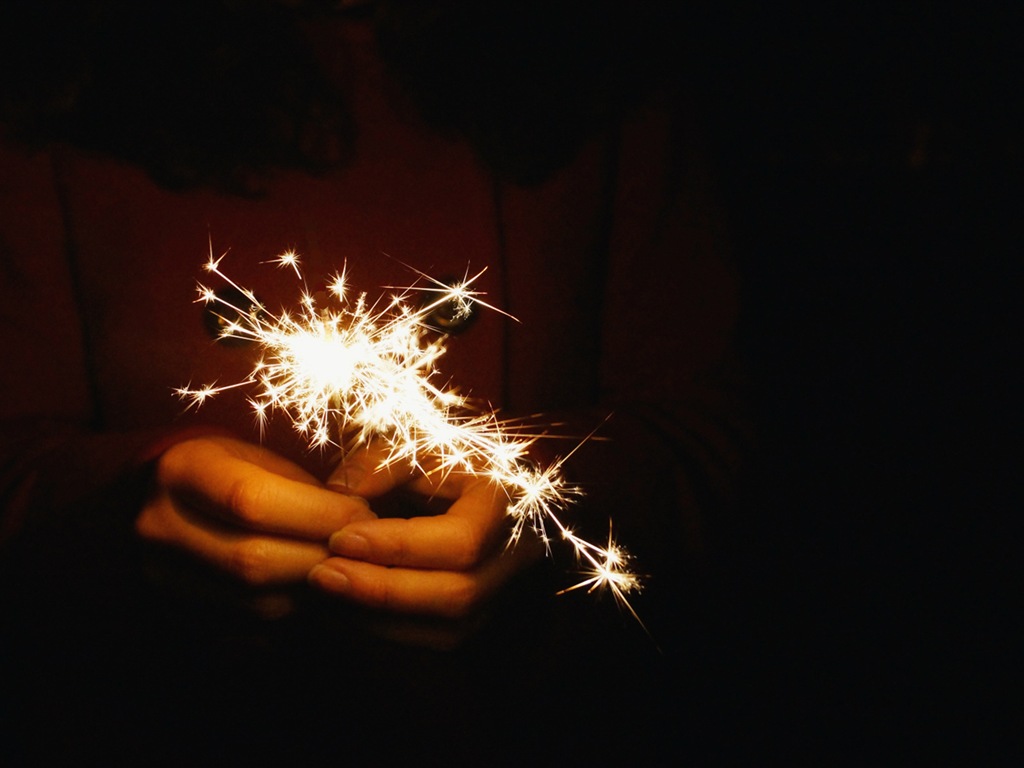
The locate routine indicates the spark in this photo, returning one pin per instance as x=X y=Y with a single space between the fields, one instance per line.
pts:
x=288 y=259
x=354 y=371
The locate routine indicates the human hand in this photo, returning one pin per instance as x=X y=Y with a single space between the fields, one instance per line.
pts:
x=244 y=510
x=444 y=565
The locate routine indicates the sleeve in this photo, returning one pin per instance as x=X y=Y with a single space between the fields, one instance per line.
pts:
x=666 y=468
x=58 y=471
x=44 y=381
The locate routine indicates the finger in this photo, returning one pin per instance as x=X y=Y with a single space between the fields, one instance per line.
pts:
x=224 y=481
x=457 y=540
x=450 y=594
x=369 y=472
x=270 y=461
x=255 y=559
x=372 y=471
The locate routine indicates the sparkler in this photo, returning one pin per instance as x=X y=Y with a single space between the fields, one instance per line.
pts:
x=355 y=370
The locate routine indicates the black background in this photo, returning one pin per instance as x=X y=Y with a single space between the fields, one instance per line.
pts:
x=871 y=159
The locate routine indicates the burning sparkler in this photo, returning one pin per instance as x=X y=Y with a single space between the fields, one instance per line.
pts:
x=356 y=371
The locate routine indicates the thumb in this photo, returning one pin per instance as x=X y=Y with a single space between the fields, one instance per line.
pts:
x=348 y=477
x=367 y=472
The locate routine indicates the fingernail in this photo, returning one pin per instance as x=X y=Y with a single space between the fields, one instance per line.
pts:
x=329 y=579
x=350 y=545
x=346 y=480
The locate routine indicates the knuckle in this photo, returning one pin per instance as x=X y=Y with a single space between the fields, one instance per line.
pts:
x=390 y=547
x=170 y=464
x=147 y=525
x=401 y=554
x=157 y=521
x=380 y=594
x=246 y=500
x=467 y=547
x=251 y=562
x=461 y=599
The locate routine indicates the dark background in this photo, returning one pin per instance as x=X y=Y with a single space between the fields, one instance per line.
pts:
x=871 y=161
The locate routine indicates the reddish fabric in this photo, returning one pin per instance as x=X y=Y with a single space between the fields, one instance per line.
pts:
x=613 y=268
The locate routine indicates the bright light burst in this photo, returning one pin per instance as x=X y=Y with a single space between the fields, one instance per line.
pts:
x=354 y=371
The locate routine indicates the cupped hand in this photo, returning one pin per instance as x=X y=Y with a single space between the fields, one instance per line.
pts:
x=245 y=510
x=444 y=565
